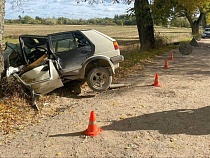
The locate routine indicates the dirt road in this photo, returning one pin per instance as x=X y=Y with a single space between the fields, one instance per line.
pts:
x=137 y=121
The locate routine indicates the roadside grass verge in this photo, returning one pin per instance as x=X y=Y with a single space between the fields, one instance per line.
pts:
x=134 y=59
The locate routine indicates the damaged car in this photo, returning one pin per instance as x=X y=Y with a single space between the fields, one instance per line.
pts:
x=44 y=63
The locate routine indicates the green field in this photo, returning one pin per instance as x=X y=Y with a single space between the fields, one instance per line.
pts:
x=124 y=34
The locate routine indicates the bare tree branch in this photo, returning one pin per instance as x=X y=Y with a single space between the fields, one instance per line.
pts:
x=17 y=4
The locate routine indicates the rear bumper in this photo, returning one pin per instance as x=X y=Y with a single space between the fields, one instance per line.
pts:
x=117 y=59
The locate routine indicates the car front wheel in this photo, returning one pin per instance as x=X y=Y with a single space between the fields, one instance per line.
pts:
x=99 y=79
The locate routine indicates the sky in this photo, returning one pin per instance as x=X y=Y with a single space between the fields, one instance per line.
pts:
x=64 y=8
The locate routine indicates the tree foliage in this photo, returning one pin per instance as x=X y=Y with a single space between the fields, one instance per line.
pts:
x=180 y=7
x=116 y=20
x=194 y=10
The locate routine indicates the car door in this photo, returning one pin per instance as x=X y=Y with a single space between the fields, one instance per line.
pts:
x=43 y=78
x=70 y=50
x=73 y=59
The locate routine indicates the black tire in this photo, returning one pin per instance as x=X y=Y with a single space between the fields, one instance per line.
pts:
x=99 y=79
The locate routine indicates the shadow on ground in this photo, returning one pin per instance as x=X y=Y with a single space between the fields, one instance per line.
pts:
x=67 y=134
x=68 y=91
x=182 y=121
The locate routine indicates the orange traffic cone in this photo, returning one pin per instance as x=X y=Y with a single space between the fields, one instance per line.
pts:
x=166 y=65
x=171 y=56
x=156 y=83
x=92 y=129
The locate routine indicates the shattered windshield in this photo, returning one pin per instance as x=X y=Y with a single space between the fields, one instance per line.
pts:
x=33 y=47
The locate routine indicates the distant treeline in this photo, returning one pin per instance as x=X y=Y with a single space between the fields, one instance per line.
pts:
x=117 y=20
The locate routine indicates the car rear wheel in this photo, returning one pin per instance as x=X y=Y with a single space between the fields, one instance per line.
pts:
x=99 y=79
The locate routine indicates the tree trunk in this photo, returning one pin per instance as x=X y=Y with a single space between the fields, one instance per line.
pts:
x=195 y=29
x=144 y=24
x=2 y=12
x=204 y=22
x=195 y=24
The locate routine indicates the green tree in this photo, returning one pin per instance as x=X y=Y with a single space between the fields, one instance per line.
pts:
x=180 y=22
x=191 y=10
x=194 y=10
x=27 y=20
x=119 y=22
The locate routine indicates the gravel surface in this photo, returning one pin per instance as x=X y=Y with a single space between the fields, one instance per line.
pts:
x=137 y=121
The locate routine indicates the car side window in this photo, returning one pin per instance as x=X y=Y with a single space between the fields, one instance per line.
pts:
x=81 y=40
x=66 y=45
x=63 y=42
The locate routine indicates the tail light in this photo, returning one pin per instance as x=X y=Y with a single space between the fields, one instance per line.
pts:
x=116 y=46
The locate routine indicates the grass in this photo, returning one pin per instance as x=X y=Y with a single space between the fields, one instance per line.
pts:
x=136 y=58
x=16 y=113
x=121 y=33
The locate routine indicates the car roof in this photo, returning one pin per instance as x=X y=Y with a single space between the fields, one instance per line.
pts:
x=52 y=34
x=33 y=36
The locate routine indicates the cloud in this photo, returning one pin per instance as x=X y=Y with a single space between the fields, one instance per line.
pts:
x=65 y=8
